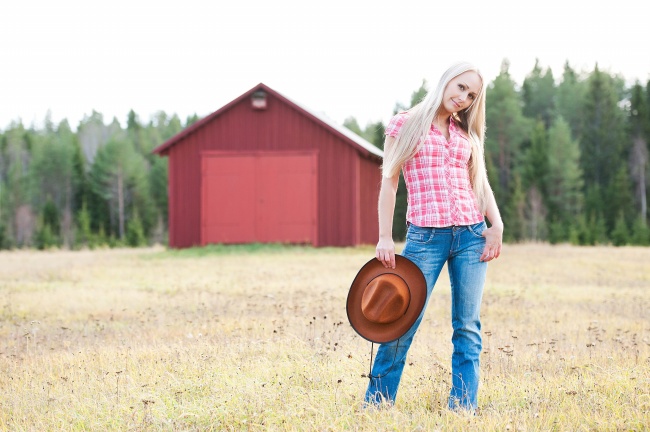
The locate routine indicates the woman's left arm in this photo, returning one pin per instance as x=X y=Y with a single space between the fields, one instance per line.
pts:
x=494 y=234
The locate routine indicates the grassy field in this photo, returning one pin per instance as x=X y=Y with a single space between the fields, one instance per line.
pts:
x=256 y=338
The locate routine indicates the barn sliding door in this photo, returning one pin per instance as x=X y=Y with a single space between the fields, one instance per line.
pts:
x=261 y=197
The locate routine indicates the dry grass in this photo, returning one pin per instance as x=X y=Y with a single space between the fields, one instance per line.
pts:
x=243 y=339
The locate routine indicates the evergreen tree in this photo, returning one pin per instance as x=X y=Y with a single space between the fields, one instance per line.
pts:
x=578 y=231
x=165 y=125
x=352 y=124
x=536 y=159
x=135 y=234
x=514 y=212
x=84 y=235
x=5 y=242
x=47 y=235
x=507 y=129
x=603 y=150
x=374 y=133
x=534 y=177
x=620 y=199
x=136 y=134
x=418 y=95
x=598 y=229
x=640 y=234
x=558 y=232
x=144 y=202
x=173 y=127
x=45 y=239
x=570 y=96
x=51 y=175
x=191 y=120
x=538 y=94
x=80 y=177
x=564 y=186
x=158 y=178
x=493 y=178
x=51 y=217
x=620 y=234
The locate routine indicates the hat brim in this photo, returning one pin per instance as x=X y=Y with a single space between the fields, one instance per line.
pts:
x=384 y=333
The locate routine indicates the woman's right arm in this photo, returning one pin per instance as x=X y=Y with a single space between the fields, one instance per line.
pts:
x=387 y=193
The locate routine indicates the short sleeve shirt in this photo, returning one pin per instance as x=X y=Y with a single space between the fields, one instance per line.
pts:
x=437 y=179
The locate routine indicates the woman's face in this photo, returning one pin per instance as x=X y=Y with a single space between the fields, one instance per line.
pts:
x=461 y=92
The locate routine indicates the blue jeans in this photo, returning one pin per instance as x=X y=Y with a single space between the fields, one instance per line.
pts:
x=430 y=248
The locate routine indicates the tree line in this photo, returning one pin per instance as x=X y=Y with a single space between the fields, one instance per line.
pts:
x=100 y=185
x=567 y=158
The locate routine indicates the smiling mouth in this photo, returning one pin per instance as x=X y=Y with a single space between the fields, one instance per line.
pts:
x=456 y=103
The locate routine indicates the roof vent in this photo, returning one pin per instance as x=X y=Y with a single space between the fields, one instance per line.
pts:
x=258 y=100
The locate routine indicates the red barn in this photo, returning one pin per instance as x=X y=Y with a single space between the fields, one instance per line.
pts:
x=265 y=169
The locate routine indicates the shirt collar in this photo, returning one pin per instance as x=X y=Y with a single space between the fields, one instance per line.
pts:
x=455 y=128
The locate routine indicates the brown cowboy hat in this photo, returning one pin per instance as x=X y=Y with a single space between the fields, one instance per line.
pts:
x=383 y=303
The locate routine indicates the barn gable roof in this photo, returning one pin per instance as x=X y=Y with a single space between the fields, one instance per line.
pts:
x=361 y=145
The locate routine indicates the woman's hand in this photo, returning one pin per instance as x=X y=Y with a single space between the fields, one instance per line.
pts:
x=494 y=234
x=386 y=252
x=493 y=241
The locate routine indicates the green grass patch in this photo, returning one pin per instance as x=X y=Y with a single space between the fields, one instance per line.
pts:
x=248 y=249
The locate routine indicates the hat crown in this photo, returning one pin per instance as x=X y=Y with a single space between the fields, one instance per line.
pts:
x=385 y=299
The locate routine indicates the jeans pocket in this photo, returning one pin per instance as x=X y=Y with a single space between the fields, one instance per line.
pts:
x=477 y=229
x=416 y=234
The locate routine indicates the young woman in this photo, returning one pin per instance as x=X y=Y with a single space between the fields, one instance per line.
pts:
x=438 y=145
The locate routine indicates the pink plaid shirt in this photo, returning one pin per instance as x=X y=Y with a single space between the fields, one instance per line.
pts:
x=437 y=178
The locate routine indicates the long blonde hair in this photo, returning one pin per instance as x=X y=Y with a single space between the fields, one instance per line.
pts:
x=418 y=123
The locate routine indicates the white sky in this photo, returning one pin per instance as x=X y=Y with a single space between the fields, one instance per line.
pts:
x=336 y=57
